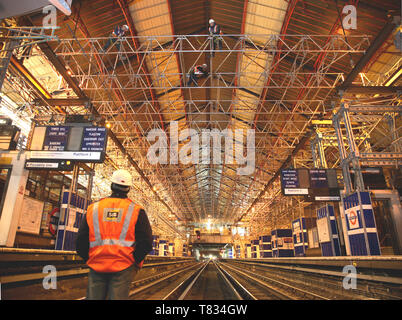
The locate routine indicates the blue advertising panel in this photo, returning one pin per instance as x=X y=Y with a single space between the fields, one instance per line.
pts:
x=300 y=240
x=361 y=227
x=73 y=210
x=282 y=243
x=328 y=231
x=265 y=246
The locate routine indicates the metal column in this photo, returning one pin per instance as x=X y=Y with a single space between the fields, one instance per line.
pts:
x=6 y=53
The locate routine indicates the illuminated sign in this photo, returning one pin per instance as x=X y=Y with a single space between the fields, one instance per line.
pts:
x=68 y=142
x=313 y=184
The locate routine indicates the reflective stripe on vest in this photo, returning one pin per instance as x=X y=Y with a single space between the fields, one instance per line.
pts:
x=213 y=29
x=102 y=242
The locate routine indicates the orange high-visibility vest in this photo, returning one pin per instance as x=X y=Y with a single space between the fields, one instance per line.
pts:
x=111 y=223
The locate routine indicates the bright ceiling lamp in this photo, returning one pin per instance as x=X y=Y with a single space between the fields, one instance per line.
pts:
x=8 y=108
x=63 y=5
x=318 y=122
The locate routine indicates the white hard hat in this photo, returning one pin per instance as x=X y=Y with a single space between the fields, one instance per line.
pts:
x=122 y=177
x=204 y=65
x=211 y=21
x=125 y=27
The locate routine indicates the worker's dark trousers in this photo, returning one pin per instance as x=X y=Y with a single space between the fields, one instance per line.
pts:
x=110 y=41
x=216 y=44
x=112 y=286
x=192 y=79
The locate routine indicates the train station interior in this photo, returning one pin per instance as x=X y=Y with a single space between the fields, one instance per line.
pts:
x=262 y=138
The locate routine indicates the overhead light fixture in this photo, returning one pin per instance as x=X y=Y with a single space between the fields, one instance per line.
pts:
x=317 y=122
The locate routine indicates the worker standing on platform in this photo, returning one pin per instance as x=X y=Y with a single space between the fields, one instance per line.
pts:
x=196 y=73
x=215 y=33
x=117 y=34
x=113 y=239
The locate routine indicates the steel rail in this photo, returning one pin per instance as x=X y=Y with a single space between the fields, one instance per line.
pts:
x=229 y=283
x=359 y=276
x=187 y=290
x=262 y=280
x=159 y=280
x=172 y=292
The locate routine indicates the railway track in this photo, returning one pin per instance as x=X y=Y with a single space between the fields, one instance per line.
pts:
x=227 y=281
x=208 y=283
x=264 y=288
x=322 y=283
x=164 y=278
x=201 y=282
x=154 y=288
x=219 y=281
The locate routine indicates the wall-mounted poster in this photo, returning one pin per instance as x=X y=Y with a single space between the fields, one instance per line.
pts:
x=323 y=230
x=31 y=215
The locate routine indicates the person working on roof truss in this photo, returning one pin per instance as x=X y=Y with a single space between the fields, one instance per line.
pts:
x=196 y=73
x=117 y=34
x=215 y=32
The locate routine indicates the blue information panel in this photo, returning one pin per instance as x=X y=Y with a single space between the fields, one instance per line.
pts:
x=94 y=139
x=289 y=179
x=56 y=138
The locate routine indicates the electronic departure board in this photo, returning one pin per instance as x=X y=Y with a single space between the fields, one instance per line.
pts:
x=313 y=184
x=295 y=182
x=56 y=138
x=75 y=143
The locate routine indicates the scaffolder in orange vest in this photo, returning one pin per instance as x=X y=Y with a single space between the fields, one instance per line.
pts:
x=215 y=32
x=196 y=73
x=114 y=240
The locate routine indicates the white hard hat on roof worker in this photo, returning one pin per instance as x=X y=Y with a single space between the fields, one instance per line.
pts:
x=122 y=177
x=125 y=27
x=211 y=21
